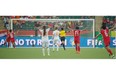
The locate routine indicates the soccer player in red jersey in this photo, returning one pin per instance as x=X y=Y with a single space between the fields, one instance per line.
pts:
x=106 y=38
x=7 y=39
x=77 y=39
x=77 y=33
x=12 y=39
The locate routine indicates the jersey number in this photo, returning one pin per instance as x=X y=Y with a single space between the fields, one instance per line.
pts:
x=106 y=34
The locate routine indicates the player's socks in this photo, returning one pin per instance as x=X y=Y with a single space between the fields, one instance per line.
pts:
x=14 y=46
x=78 y=48
x=43 y=50
x=63 y=46
x=109 y=51
x=57 y=48
x=48 y=51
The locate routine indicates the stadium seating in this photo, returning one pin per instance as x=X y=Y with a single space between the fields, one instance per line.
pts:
x=111 y=18
x=1 y=24
x=29 y=25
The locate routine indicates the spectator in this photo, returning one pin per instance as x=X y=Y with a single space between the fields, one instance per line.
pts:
x=107 y=20
x=104 y=20
x=7 y=25
x=36 y=27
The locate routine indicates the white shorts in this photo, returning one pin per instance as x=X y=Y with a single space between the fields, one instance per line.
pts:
x=45 y=43
x=56 y=41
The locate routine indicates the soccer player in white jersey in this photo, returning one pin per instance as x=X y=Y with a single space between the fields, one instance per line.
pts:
x=45 y=41
x=56 y=39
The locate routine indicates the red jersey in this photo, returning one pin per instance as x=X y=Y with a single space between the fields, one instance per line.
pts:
x=76 y=34
x=8 y=37
x=105 y=34
x=11 y=35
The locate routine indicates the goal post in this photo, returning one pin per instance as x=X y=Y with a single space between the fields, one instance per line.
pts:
x=90 y=24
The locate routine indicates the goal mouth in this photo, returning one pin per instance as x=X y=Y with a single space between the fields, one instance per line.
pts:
x=29 y=26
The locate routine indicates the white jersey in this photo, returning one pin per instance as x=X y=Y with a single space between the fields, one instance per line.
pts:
x=46 y=35
x=56 y=34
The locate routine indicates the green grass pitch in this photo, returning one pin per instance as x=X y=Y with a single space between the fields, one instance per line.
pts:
x=36 y=53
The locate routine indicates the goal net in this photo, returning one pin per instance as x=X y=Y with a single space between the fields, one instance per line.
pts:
x=30 y=27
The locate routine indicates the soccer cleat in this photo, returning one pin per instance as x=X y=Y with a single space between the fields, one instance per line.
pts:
x=112 y=56
x=43 y=54
x=48 y=54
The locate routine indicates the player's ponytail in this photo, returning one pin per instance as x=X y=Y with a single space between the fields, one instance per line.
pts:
x=44 y=30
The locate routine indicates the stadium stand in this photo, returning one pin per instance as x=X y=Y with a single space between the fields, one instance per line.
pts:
x=25 y=26
x=109 y=20
x=28 y=28
x=1 y=24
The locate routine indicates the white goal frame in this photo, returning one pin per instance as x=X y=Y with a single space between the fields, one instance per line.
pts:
x=11 y=27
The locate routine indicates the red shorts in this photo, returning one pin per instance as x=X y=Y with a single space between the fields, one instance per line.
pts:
x=12 y=40
x=8 y=40
x=107 y=42
x=77 y=41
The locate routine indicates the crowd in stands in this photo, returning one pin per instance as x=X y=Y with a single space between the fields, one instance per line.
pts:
x=66 y=25
x=110 y=21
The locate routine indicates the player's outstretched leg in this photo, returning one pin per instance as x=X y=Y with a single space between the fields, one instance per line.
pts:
x=76 y=47
x=43 y=51
x=48 y=51
x=57 y=47
x=63 y=45
x=13 y=45
x=110 y=52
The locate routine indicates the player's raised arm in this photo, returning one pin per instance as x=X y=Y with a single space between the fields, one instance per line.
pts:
x=98 y=35
x=40 y=29
x=112 y=28
x=84 y=29
x=71 y=29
